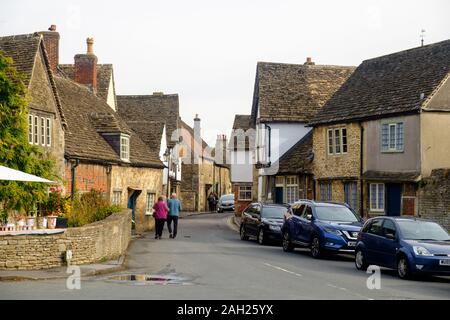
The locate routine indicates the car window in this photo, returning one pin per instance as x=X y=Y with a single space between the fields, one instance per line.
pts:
x=422 y=230
x=308 y=211
x=249 y=209
x=376 y=227
x=366 y=226
x=227 y=197
x=335 y=213
x=274 y=212
x=389 y=228
x=298 y=210
x=257 y=209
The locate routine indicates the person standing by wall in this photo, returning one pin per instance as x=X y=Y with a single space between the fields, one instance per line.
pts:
x=211 y=202
x=160 y=216
x=174 y=211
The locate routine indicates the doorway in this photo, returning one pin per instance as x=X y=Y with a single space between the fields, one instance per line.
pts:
x=393 y=199
x=279 y=196
x=132 y=198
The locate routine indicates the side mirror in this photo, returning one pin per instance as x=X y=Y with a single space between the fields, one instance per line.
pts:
x=390 y=236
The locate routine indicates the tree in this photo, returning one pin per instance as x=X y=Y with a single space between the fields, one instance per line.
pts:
x=15 y=151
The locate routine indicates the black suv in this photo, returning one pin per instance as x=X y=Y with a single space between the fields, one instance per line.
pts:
x=263 y=221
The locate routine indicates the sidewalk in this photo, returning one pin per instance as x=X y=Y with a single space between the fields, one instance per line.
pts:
x=60 y=272
x=184 y=214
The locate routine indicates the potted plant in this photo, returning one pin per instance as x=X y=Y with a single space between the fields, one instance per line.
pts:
x=31 y=220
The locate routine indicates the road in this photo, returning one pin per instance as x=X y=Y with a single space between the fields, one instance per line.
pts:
x=209 y=261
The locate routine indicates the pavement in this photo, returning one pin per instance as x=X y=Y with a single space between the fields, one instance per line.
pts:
x=207 y=260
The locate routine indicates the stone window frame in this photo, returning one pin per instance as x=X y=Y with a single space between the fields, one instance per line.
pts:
x=326 y=188
x=351 y=198
x=377 y=208
x=117 y=200
x=332 y=146
x=248 y=190
x=40 y=129
x=149 y=204
x=292 y=188
x=399 y=135
x=125 y=147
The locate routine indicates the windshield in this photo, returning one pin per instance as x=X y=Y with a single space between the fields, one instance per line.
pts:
x=341 y=214
x=274 y=212
x=422 y=230
x=227 y=197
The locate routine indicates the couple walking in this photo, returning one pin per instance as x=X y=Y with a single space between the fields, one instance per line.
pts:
x=166 y=211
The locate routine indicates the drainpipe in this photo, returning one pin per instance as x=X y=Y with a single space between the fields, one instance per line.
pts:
x=74 y=171
x=361 y=158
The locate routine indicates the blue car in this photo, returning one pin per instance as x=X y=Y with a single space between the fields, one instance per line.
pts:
x=409 y=245
x=321 y=226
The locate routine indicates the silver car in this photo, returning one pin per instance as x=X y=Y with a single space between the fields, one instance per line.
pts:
x=226 y=203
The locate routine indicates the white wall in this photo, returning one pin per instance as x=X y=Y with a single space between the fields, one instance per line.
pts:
x=241 y=166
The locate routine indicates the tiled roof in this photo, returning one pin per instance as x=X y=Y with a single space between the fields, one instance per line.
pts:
x=23 y=50
x=242 y=122
x=149 y=131
x=162 y=108
x=299 y=158
x=398 y=83
x=293 y=92
x=88 y=116
x=391 y=176
x=104 y=76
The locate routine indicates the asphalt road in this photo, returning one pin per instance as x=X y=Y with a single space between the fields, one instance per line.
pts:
x=209 y=261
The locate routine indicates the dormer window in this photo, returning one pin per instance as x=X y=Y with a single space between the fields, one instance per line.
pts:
x=124 y=147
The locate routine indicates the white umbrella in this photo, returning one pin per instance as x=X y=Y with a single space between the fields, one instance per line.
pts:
x=16 y=175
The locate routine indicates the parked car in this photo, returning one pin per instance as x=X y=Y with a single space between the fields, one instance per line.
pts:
x=263 y=221
x=321 y=226
x=225 y=203
x=409 y=245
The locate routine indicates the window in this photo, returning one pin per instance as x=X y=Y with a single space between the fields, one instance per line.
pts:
x=279 y=181
x=49 y=132
x=337 y=141
x=325 y=191
x=376 y=227
x=36 y=130
x=117 y=198
x=389 y=228
x=392 y=137
x=30 y=129
x=377 y=197
x=351 y=195
x=150 y=202
x=298 y=210
x=42 y=131
x=308 y=212
x=125 y=148
x=291 y=189
x=245 y=193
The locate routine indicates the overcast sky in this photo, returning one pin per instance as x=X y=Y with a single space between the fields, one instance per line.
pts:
x=206 y=51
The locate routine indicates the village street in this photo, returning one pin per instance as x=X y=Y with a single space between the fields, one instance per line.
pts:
x=209 y=261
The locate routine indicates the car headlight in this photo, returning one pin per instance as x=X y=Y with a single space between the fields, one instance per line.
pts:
x=274 y=227
x=333 y=231
x=421 y=251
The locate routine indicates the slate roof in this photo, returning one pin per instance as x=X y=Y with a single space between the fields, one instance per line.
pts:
x=391 y=176
x=390 y=85
x=88 y=116
x=104 y=76
x=297 y=159
x=23 y=49
x=161 y=108
x=293 y=92
x=241 y=122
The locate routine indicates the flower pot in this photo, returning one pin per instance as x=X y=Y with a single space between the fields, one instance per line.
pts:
x=42 y=223
x=31 y=222
x=51 y=222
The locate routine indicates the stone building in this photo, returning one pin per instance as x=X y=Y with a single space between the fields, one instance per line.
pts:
x=101 y=151
x=45 y=116
x=384 y=133
x=285 y=98
x=156 y=119
x=203 y=168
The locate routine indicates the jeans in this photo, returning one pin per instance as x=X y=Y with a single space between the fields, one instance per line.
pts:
x=159 y=226
x=175 y=224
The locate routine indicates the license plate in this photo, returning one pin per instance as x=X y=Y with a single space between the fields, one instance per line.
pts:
x=445 y=262
x=351 y=243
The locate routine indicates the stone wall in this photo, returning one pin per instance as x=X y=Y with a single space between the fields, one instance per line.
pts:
x=434 y=197
x=106 y=239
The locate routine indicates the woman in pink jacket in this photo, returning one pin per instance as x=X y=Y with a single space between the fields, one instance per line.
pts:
x=160 y=216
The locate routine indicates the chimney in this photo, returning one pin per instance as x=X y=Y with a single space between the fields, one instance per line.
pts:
x=86 y=66
x=309 y=62
x=197 y=129
x=51 y=43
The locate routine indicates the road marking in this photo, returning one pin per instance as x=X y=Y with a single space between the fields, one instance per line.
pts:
x=345 y=289
x=284 y=270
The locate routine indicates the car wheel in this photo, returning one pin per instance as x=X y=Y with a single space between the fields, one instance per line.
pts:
x=403 y=270
x=261 y=237
x=316 y=251
x=243 y=234
x=288 y=246
x=360 y=261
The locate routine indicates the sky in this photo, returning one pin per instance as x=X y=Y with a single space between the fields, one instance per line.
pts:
x=207 y=51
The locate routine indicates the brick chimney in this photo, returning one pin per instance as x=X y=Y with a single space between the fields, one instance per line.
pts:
x=221 y=149
x=197 y=129
x=51 y=43
x=86 y=66
x=309 y=62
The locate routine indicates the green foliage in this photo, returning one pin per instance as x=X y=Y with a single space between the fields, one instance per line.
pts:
x=15 y=151
x=88 y=208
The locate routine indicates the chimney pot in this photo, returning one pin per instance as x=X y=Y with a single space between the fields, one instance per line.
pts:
x=52 y=27
x=90 y=45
